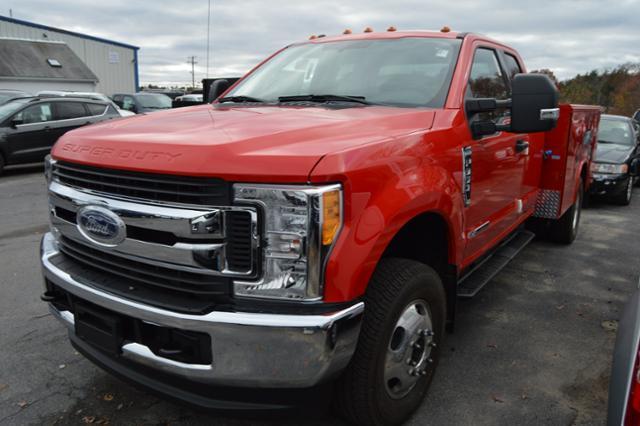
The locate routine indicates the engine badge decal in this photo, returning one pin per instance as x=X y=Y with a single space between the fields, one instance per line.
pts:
x=466 y=175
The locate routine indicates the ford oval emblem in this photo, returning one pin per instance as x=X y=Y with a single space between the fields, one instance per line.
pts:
x=101 y=226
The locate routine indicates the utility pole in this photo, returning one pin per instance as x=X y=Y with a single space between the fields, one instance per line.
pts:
x=208 y=34
x=192 y=60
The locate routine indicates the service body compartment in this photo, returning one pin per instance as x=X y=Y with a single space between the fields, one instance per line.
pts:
x=568 y=152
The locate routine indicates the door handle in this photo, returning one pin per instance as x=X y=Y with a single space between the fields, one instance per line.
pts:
x=522 y=145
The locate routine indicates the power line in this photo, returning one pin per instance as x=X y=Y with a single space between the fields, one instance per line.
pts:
x=208 y=34
x=192 y=60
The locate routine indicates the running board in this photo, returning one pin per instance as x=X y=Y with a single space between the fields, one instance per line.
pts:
x=478 y=277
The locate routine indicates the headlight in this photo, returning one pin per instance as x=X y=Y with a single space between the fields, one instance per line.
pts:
x=301 y=224
x=48 y=167
x=619 y=169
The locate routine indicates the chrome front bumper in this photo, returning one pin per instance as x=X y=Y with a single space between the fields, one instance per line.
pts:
x=249 y=349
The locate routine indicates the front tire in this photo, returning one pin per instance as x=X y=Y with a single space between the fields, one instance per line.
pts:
x=624 y=198
x=399 y=345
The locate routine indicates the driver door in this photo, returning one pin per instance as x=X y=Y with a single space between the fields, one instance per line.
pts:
x=494 y=164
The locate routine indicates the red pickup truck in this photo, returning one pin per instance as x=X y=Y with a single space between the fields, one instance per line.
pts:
x=313 y=227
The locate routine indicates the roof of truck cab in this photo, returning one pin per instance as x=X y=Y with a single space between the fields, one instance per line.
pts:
x=382 y=35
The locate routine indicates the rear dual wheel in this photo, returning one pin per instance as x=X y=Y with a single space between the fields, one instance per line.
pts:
x=398 y=347
x=565 y=229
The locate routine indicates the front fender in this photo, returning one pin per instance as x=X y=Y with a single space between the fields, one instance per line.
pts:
x=385 y=186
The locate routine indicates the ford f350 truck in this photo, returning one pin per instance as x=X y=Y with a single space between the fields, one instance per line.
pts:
x=315 y=225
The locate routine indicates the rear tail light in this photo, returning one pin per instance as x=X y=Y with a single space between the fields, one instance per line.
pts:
x=632 y=416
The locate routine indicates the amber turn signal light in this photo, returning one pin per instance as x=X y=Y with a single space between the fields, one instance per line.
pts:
x=331 y=216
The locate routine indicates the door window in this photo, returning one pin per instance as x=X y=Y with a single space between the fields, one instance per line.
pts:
x=487 y=81
x=512 y=66
x=35 y=114
x=96 y=109
x=128 y=103
x=70 y=110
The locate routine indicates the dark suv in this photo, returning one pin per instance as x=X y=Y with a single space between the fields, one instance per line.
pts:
x=30 y=126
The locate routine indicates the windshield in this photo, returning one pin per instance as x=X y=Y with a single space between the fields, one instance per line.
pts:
x=615 y=131
x=5 y=96
x=9 y=108
x=154 y=100
x=402 y=72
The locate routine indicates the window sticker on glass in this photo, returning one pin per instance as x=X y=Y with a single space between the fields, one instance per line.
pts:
x=442 y=53
x=311 y=70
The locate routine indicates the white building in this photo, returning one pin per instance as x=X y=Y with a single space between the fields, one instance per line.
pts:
x=114 y=64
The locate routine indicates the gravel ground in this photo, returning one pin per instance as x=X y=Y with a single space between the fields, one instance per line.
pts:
x=534 y=347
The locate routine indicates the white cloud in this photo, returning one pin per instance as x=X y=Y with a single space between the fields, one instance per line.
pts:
x=567 y=36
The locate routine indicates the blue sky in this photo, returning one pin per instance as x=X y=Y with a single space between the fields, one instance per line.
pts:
x=567 y=36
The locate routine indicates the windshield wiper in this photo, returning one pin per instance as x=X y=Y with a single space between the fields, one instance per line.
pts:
x=324 y=98
x=240 y=99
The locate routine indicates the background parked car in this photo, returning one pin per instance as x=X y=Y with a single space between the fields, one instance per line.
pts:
x=87 y=95
x=617 y=161
x=624 y=386
x=170 y=93
x=187 y=100
x=7 y=95
x=30 y=126
x=142 y=102
x=636 y=115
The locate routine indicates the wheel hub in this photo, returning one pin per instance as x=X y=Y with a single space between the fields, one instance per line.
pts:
x=409 y=350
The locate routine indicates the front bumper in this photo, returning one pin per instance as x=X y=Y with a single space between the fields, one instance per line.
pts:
x=253 y=350
x=604 y=184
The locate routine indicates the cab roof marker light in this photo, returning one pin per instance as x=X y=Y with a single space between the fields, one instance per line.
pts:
x=368 y=30
x=391 y=29
x=347 y=31
x=445 y=29
x=313 y=37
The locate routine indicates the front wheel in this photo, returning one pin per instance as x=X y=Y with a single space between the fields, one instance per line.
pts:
x=624 y=198
x=399 y=345
x=565 y=229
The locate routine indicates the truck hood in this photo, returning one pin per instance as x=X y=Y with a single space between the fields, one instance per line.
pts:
x=246 y=143
x=613 y=153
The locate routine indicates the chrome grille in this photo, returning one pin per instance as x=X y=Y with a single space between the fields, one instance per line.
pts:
x=188 y=282
x=170 y=251
x=153 y=187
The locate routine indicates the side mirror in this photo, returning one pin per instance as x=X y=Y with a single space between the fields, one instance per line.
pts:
x=534 y=104
x=217 y=88
x=16 y=122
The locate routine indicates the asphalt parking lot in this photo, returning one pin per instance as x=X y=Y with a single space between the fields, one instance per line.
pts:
x=534 y=347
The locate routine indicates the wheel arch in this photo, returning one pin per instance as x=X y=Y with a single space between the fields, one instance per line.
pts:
x=428 y=238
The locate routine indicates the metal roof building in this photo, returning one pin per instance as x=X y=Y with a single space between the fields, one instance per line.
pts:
x=113 y=64
x=34 y=65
